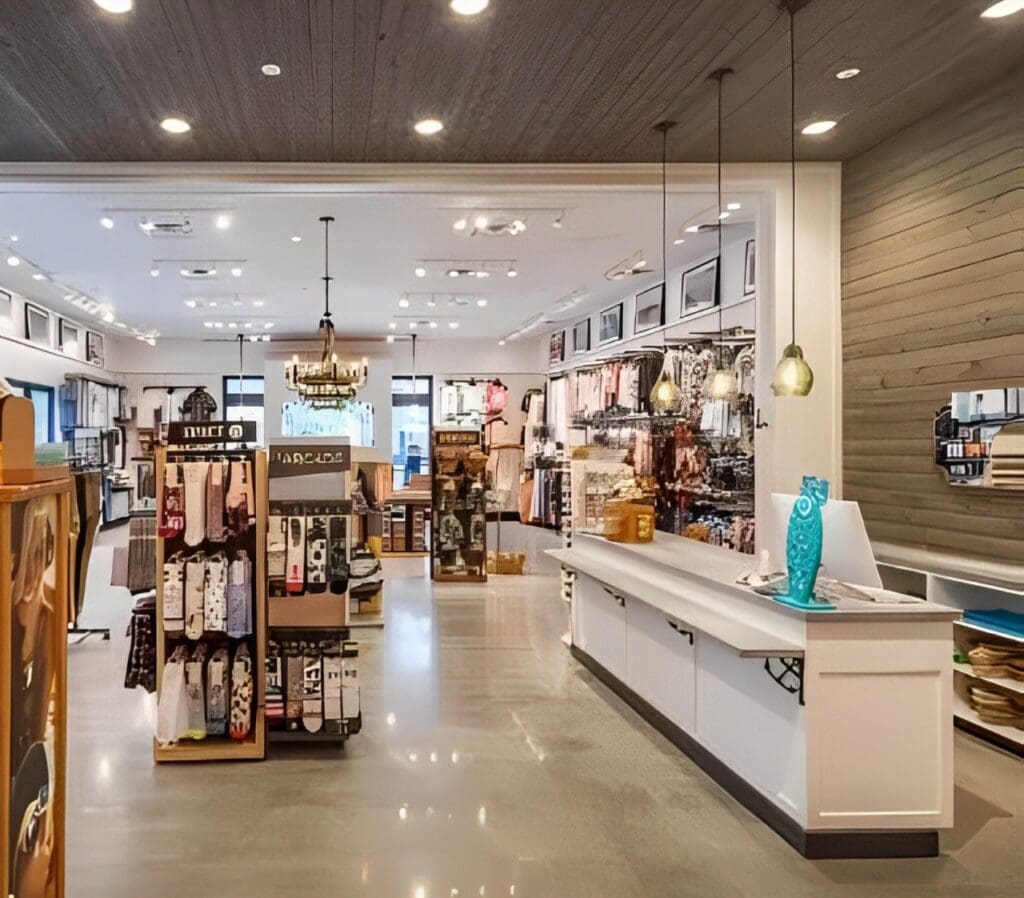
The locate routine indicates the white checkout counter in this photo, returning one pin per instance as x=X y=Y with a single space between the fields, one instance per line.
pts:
x=835 y=728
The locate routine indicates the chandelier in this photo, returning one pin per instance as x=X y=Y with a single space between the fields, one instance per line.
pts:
x=328 y=382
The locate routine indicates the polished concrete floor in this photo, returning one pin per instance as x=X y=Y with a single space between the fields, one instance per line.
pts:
x=490 y=764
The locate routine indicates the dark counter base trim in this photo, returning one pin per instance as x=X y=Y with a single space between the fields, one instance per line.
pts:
x=813 y=845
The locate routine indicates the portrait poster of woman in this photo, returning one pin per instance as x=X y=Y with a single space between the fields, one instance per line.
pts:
x=36 y=614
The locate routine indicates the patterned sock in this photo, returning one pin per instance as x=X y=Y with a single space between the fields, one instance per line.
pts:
x=215 y=597
x=312 y=692
x=332 y=693
x=215 y=529
x=296 y=559
x=195 y=501
x=241 y=694
x=217 y=693
x=174 y=594
x=195 y=582
x=240 y=596
x=293 y=686
x=194 y=694
x=172 y=509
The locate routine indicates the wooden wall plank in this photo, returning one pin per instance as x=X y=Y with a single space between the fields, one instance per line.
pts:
x=933 y=301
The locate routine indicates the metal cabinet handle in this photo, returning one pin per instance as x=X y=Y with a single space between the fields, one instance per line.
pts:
x=620 y=599
x=682 y=631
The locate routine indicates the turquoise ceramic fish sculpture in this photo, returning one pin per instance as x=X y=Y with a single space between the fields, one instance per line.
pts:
x=803 y=547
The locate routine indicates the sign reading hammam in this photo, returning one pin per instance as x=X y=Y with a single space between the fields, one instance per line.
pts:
x=295 y=461
x=210 y=433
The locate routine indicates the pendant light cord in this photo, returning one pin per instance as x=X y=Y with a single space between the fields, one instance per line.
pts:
x=327 y=219
x=718 y=264
x=792 y=167
x=664 y=212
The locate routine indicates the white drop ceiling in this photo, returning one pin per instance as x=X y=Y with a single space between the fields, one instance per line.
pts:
x=379 y=238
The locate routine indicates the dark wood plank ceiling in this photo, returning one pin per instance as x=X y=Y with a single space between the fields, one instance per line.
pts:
x=526 y=81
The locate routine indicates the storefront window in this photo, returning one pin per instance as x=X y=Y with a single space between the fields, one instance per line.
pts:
x=411 y=409
x=42 y=399
x=243 y=401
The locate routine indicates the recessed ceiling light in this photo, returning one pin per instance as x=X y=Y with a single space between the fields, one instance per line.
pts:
x=1002 y=9
x=483 y=274
x=480 y=222
x=151 y=341
x=403 y=303
x=268 y=325
x=453 y=272
x=232 y=324
x=120 y=324
x=847 y=74
x=191 y=303
x=115 y=6
x=519 y=225
x=218 y=324
x=433 y=324
x=391 y=338
x=14 y=238
x=693 y=229
x=266 y=338
x=271 y=69
x=207 y=324
x=108 y=317
x=257 y=303
x=501 y=342
x=421 y=272
x=732 y=207
x=722 y=216
x=428 y=126
x=222 y=222
x=412 y=325
x=236 y=272
x=213 y=303
x=39 y=276
x=460 y=224
x=481 y=303
x=818 y=127
x=640 y=264
x=175 y=125
x=236 y=303
x=469 y=7
x=431 y=302
x=392 y=326
x=453 y=324
x=13 y=261
x=107 y=222
x=678 y=240
x=154 y=272
x=512 y=273
x=296 y=239
x=557 y=223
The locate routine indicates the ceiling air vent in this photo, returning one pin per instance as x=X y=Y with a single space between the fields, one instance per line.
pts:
x=166 y=224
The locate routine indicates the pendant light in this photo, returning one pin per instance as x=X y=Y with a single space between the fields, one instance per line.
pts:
x=326 y=383
x=793 y=376
x=723 y=381
x=665 y=393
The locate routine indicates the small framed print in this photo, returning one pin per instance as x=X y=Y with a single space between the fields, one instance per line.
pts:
x=94 y=348
x=37 y=325
x=6 y=307
x=609 y=328
x=581 y=336
x=749 y=269
x=650 y=309
x=556 y=348
x=700 y=288
x=68 y=336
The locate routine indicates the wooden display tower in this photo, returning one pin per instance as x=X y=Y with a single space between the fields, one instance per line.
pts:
x=459 y=512
x=219 y=748
x=35 y=555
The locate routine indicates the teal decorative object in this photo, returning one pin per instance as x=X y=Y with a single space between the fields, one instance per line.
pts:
x=803 y=547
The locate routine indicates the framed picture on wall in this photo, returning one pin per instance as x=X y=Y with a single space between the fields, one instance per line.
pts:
x=650 y=309
x=609 y=328
x=37 y=325
x=749 y=269
x=581 y=336
x=556 y=348
x=94 y=348
x=68 y=337
x=6 y=306
x=700 y=288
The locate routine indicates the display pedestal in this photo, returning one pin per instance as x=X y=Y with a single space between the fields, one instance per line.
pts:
x=459 y=516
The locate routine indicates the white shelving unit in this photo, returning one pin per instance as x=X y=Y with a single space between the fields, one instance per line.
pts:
x=952 y=590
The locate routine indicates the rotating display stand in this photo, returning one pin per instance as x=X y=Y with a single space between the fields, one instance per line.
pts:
x=459 y=516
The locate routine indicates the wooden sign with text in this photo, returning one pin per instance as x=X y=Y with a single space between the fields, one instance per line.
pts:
x=296 y=461
x=210 y=433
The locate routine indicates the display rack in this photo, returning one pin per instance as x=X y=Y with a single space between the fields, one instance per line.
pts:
x=252 y=541
x=311 y=670
x=459 y=507
x=35 y=553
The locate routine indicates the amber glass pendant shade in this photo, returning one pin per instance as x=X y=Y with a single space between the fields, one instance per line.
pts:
x=665 y=393
x=723 y=384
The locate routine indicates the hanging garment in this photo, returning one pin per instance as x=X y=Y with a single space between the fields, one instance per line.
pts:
x=141 y=553
x=86 y=509
x=215 y=529
x=174 y=595
x=172 y=705
x=195 y=476
x=141 y=667
x=240 y=596
x=504 y=469
x=215 y=595
x=195 y=580
x=198 y=406
x=217 y=693
x=172 y=508
x=195 y=696
x=240 y=501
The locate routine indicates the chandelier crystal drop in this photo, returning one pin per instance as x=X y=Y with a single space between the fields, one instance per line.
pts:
x=327 y=382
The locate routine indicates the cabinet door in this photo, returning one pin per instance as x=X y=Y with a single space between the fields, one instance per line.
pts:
x=600 y=629
x=660 y=657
